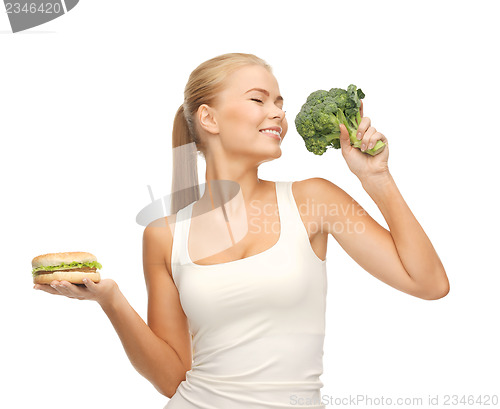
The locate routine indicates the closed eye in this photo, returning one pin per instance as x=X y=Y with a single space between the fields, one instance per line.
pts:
x=255 y=99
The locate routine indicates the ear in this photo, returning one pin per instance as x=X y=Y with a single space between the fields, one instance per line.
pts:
x=206 y=116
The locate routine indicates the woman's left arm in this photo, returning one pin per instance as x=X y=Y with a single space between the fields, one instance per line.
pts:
x=414 y=248
x=402 y=257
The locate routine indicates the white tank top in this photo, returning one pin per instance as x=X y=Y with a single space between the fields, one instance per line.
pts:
x=258 y=323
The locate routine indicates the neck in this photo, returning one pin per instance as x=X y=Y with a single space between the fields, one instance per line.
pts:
x=227 y=179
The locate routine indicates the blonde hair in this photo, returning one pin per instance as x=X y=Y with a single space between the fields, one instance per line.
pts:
x=203 y=86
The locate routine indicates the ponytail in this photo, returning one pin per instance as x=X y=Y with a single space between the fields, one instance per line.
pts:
x=185 y=184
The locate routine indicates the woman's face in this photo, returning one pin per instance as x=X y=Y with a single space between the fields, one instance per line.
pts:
x=242 y=112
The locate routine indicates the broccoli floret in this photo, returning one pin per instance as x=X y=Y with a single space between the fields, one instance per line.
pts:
x=319 y=119
x=317 y=96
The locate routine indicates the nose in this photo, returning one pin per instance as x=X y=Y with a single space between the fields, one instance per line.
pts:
x=280 y=114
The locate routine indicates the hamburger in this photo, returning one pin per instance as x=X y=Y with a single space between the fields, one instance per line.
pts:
x=71 y=266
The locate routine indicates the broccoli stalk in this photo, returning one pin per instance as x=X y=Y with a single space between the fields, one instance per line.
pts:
x=352 y=128
x=319 y=119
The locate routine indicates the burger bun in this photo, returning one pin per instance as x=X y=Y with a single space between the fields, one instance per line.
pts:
x=75 y=277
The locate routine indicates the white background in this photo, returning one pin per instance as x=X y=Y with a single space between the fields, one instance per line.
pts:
x=87 y=103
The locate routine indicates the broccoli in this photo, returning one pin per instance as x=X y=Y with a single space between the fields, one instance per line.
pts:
x=319 y=119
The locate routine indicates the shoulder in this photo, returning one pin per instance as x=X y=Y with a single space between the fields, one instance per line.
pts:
x=331 y=205
x=317 y=188
x=158 y=239
x=313 y=202
x=307 y=189
x=161 y=228
x=321 y=194
x=314 y=183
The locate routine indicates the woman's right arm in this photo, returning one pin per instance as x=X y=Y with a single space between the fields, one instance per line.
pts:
x=150 y=355
x=160 y=350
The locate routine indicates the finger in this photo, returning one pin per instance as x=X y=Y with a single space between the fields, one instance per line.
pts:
x=68 y=289
x=368 y=138
x=345 y=142
x=377 y=137
x=59 y=286
x=55 y=285
x=363 y=126
x=361 y=109
x=47 y=288
x=89 y=284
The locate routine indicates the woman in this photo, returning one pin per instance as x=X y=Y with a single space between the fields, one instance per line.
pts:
x=236 y=313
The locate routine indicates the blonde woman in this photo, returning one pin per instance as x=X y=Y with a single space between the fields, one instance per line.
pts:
x=236 y=278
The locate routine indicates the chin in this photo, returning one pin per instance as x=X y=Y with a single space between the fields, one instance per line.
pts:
x=277 y=154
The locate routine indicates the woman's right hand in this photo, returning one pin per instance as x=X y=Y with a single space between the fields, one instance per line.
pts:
x=102 y=292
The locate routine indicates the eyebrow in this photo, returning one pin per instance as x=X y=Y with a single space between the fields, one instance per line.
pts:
x=279 y=97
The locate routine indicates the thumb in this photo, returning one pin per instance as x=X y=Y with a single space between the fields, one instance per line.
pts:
x=345 y=142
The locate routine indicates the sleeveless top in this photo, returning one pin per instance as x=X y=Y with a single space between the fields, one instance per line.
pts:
x=258 y=323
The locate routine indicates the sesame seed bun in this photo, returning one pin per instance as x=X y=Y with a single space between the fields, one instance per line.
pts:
x=54 y=259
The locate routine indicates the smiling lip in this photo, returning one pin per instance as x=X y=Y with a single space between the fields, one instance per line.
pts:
x=273 y=128
x=272 y=135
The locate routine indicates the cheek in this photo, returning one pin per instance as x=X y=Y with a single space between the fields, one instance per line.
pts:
x=284 y=125
x=240 y=122
x=240 y=116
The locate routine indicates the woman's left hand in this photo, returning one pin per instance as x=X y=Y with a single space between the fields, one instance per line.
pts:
x=362 y=164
